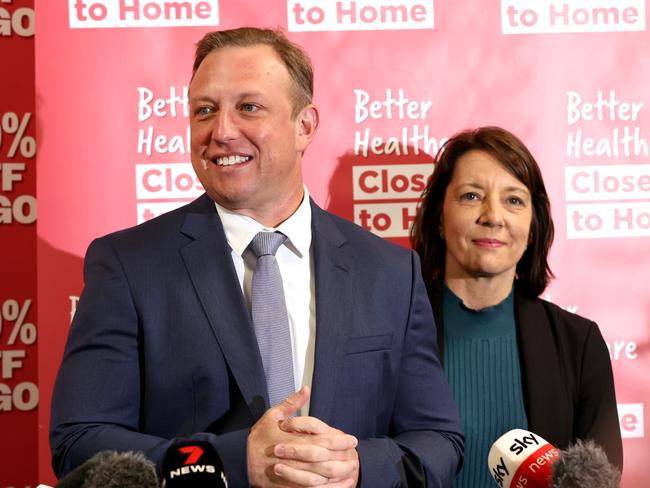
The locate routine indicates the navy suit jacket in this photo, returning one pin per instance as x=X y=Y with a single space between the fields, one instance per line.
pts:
x=162 y=347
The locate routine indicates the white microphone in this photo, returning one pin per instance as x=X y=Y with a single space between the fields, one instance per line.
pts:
x=521 y=459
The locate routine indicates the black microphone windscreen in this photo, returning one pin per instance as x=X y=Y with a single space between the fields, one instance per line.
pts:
x=193 y=464
x=123 y=470
x=585 y=465
x=110 y=469
x=77 y=477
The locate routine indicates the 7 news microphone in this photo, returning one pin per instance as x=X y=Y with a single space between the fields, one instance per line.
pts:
x=193 y=464
x=521 y=459
x=186 y=464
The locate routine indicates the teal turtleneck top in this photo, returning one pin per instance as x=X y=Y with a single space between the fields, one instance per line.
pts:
x=484 y=372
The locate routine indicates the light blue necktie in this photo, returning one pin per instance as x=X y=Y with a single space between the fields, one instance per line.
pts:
x=270 y=318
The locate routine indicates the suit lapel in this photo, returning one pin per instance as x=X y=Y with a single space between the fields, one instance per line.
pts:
x=213 y=275
x=334 y=315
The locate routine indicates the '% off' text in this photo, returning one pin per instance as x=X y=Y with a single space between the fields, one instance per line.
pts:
x=12 y=124
x=13 y=312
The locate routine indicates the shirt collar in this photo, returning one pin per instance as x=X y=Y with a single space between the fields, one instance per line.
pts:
x=240 y=229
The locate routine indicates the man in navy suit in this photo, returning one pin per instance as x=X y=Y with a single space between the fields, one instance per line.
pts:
x=162 y=344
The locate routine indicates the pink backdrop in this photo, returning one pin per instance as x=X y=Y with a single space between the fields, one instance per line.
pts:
x=394 y=78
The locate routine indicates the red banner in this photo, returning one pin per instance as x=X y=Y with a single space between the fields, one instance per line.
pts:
x=19 y=391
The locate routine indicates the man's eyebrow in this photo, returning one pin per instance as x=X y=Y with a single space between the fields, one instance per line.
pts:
x=207 y=98
x=202 y=98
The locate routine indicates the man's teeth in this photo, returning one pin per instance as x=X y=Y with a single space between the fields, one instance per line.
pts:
x=230 y=160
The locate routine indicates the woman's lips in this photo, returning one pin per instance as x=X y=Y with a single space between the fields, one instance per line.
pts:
x=492 y=243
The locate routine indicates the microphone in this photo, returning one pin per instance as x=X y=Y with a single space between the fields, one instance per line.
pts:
x=111 y=469
x=193 y=464
x=521 y=459
x=583 y=465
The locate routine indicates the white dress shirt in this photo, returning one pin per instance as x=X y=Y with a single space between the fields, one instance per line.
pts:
x=296 y=267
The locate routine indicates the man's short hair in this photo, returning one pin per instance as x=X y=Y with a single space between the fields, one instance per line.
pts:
x=293 y=56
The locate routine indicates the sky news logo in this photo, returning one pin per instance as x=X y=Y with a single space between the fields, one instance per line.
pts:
x=557 y=16
x=89 y=14
x=357 y=15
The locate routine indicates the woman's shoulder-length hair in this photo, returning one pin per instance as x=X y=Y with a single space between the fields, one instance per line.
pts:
x=533 y=270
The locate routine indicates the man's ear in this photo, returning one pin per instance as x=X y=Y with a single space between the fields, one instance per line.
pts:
x=307 y=123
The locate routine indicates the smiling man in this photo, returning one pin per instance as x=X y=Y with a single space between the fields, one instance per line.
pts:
x=311 y=365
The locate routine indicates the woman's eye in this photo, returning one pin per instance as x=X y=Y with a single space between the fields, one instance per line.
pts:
x=470 y=196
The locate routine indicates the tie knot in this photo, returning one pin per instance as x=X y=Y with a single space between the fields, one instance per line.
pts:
x=265 y=243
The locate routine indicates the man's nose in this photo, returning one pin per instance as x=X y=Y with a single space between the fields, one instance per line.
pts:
x=224 y=127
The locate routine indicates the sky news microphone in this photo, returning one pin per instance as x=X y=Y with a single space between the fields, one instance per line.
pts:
x=193 y=464
x=521 y=459
x=110 y=469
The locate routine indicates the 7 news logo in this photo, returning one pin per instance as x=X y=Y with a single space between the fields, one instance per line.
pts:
x=193 y=464
x=194 y=453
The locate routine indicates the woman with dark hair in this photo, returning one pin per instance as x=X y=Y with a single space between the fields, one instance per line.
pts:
x=513 y=360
